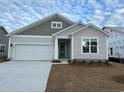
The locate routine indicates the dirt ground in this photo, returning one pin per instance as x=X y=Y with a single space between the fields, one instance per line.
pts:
x=86 y=78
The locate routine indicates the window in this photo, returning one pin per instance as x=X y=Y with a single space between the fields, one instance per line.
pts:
x=89 y=45
x=111 y=51
x=56 y=25
x=2 y=48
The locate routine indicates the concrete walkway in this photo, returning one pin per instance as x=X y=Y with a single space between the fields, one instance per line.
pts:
x=24 y=76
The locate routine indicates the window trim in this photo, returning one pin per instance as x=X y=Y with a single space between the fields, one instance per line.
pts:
x=90 y=47
x=3 y=53
x=56 y=23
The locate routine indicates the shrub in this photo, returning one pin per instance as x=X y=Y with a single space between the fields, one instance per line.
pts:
x=91 y=62
x=74 y=61
x=83 y=61
x=107 y=62
x=56 y=61
x=69 y=61
x=99 y=61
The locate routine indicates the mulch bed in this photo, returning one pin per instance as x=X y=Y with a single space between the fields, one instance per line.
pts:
x=2 y=60
x=86 y=78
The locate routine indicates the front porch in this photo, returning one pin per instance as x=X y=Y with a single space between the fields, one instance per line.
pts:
x=62 y=49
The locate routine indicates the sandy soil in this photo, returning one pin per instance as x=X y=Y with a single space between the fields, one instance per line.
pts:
x=86 y=77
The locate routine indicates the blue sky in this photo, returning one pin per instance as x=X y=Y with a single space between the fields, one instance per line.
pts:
x=18 y=13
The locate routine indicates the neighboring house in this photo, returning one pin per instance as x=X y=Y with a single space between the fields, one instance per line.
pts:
x=56 y=37
x=116 y=41
x=3 y=42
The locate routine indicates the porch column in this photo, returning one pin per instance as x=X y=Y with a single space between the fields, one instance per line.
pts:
x=56 y=49
x=72 y=47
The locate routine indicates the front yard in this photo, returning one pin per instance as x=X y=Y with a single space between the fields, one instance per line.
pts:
x=86 y=77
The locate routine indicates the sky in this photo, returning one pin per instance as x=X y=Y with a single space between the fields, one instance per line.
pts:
x=15 y=14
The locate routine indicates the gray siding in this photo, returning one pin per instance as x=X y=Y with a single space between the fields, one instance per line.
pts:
x=4 y=39
x=90 y=32
x=70 y=30
x=45 y=28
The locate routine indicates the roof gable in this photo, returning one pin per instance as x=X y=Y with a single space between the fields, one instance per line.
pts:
x=70 y=27
x=40 y=22
x=118 y=29
x=3 y=29
x=93 y=26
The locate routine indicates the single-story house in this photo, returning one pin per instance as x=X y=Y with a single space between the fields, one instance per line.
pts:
x=3 y=41
x=57 y=37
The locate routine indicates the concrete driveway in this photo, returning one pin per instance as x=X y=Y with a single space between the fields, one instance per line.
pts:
x=24 y=76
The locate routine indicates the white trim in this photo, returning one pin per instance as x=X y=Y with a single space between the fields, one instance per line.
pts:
x=13 y=52
x=24 y=43
x=72 y=47
x=107 y=47
x=40 y=22
x=27 y=43
x=56 y=22
x=79 y=29
x=62 y=37
x=91 y=26
x=64 y=29
x=32 y=36
x=67 y=28
x=9 y=47
x=56 y=49
x=90 y=45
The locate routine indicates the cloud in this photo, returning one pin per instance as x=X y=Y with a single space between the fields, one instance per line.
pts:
x=15 y=14
x=116 y=19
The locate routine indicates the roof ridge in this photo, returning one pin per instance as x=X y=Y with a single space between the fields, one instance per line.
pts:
x=33 y=24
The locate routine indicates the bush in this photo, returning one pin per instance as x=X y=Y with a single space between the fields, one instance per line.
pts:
x=91 y=62
x=99 y=61
x=74 y=61
x=69 y=61
x=83 y=61
x=56 y=61
x=107 y=62
x=114 y=59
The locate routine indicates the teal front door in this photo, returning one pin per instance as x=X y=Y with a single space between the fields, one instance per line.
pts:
x=62 y=50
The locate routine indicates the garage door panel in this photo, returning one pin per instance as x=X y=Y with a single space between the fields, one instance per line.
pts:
x=33 y=52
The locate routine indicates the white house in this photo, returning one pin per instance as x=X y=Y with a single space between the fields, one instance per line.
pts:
x=116 y=41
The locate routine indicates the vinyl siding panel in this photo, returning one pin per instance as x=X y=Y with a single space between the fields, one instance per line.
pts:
x=4 y=40
x=45 y=29
x=90 y=32
x=70 y=30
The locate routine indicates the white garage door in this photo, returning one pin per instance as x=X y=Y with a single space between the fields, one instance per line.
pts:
x=33 y=52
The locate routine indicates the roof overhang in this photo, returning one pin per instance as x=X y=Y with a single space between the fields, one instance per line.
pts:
x=4 y=29
x=91 y=25
x=113 y=29
x=67 y=28
x=34 y=24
